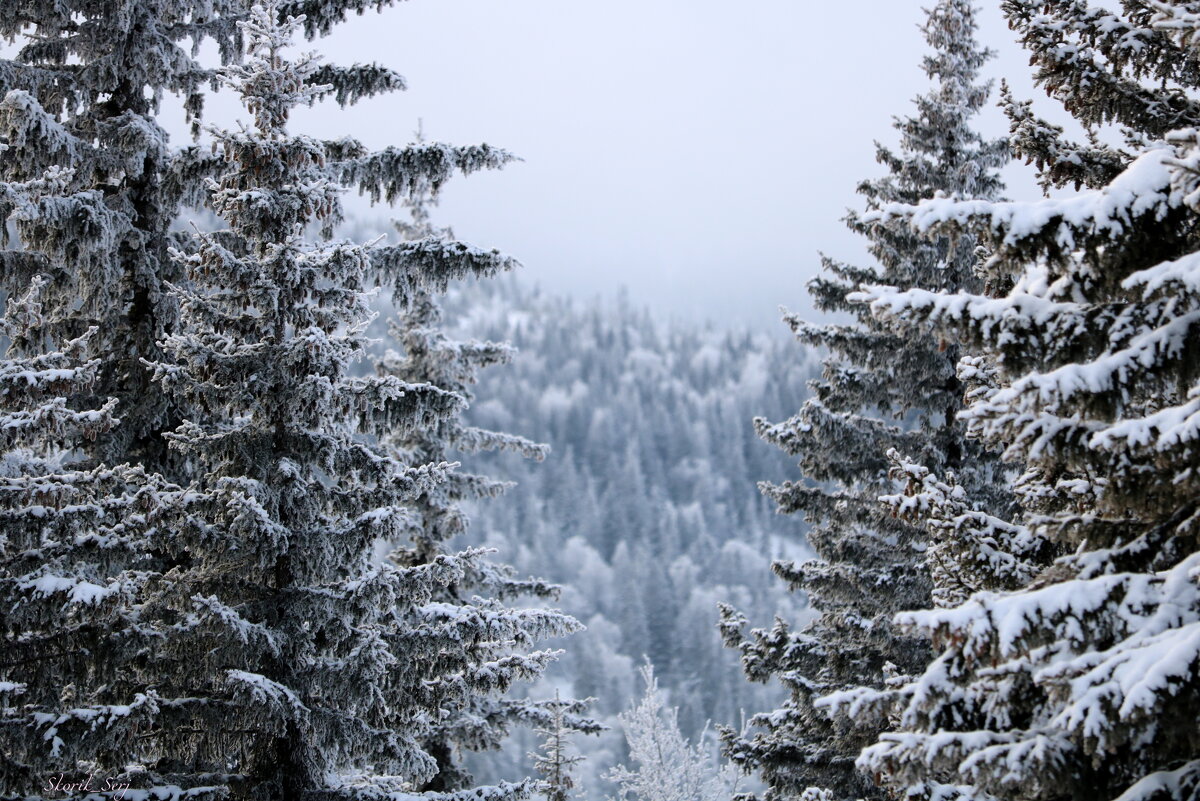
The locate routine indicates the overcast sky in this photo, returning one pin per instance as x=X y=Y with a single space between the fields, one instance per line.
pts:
x=698 y=152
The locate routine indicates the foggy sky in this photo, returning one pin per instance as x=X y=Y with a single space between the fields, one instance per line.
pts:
x=699 y=153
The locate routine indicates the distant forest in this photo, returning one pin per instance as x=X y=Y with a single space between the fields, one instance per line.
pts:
x=637 y=511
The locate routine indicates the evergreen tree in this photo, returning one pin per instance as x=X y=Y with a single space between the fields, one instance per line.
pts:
x=91 y=187
x=1102 y=66
x=430 y=357
x=298 y=666
x=555 y=762
x=1084 y=683
x=969 y=549
x=71 y=559
x=668 y=767
x=674 y=404
x=81 y=94
x=878 y=391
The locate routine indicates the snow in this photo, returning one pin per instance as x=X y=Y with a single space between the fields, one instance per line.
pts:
x=163 y=792
x=1144 y=353
x=558 y=400
x=1182 y=782
x=1167 y=428
x=266 y=691
x=1143 y=188
x=1111 y=646
x=1154 y=653
x=1181 y=275
x=79 y=591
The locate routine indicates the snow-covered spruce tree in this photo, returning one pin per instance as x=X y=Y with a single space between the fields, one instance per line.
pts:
x=969 y=549
x=1103 y=66
x=878 y=391
x=1084 y=684
x=82 y=92
x=667 y=766
x=298 y=666
x=429 y=356
x=555 y=762
x=72 y=540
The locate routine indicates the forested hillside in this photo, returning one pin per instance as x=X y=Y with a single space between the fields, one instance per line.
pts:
x=646 y=509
